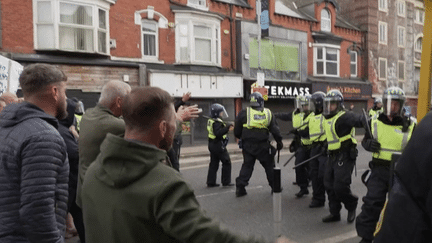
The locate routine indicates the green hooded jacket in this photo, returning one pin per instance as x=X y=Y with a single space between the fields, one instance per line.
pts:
x=130 y=195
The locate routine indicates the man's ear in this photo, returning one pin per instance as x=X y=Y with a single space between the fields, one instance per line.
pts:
x=162 y=128
x=54 y=91
x=119 y=102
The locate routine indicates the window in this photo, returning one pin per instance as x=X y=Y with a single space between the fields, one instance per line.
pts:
x=401 y=8
x=200 y=4
x=401 y=36
x=382 y=68
x=382 y=5
x=382 y=33
x=326 y=61
x=71 y=26
x=401 y=70
x=419 y=16
x=353 y=63
x=279 y=59
x=198 y=39
x=418 y=44
x=325 y=20
x=149 y=32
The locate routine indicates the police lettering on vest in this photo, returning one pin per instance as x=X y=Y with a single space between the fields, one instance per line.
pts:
x=257 y=119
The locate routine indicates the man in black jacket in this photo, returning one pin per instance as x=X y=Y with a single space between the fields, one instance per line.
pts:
x=253 y=126
x=34 y=170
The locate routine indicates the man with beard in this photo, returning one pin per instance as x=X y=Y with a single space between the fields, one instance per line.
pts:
x=34 y=169
x=131 y=195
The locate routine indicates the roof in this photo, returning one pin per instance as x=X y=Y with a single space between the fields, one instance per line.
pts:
x=289 y=8
x=303 y=3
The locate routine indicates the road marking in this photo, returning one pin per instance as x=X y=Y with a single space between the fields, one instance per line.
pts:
x=228 y=191
x=340 y=238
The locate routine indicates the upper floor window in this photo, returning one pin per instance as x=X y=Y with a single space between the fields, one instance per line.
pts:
x=382 y=5
x=401 y=8
x=419 y=16
x=401 y=36
x=325 y=20
x=200 y=4
x=149 y=33
x=198 y=39
x=71 y=26
x=401 y=70
x=418 y=44
x=382 y=33
x=353 y=63
x=326 y=61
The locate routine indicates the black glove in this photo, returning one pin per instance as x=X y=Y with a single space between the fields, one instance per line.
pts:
x=279 y=145
x=372 y=145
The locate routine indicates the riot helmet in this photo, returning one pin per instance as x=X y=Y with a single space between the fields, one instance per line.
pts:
x=333 y=103
x=393 y=101
x=316 y=102
x=378 y=103
x=298 y=102
x=218 y=111
x=256 y=100
x=79 y=108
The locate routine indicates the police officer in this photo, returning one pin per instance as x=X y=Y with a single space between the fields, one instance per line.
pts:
x=303 y=151
x=391 y=131
x=318 y=138
x=79 y=112
x=217 y=137
x=296 y=117
x=377 y=107
x=253 y=126
x=339 y=127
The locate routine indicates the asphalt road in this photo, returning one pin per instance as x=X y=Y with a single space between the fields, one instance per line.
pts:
x=253 y=213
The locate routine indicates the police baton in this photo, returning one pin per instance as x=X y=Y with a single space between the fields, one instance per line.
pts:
x=367 y=125
x=308 y=160
x=277 y=198
x=292 y=156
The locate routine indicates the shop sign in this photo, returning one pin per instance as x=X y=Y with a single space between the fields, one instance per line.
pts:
x=349 y=91
x=287 y=90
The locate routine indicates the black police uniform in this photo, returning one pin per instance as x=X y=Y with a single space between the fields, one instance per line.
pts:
x=377 y=185
x=302 y=154
x=340 y=165
x=256 y=145
x=218 y=152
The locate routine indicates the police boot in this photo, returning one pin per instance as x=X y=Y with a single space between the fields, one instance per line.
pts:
x=365 y=241
x=240 y=191
x=302 y=192
x=351 y=216
x=316 y=204
x=331 y=218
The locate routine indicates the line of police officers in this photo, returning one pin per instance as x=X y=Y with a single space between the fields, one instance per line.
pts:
x=324 y=136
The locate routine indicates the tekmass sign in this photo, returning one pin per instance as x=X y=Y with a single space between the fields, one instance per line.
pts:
x=287 y=90
x=9 y=74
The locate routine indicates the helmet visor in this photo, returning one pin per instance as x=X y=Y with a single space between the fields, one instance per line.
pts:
x=393 y=105
x=312 y=106
x=79 y=108
x=223 y=113
x=331 y=106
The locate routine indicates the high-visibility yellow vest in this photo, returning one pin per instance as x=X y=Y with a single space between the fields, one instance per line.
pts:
x=78 y=119
x=297 y=119
x=316 y=128
x=306 y=141
x=391 y=138
x=333 y=140
x=373 y=112
x=258 y=119
x=210 y=123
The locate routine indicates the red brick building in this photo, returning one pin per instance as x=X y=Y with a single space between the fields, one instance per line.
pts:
x=208 y=47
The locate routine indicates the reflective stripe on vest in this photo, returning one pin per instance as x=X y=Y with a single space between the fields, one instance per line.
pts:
x=307 y=141
x=391 y=138
x=257 y=119
x=373 y=112
x=316 y=128
x=210 y=123
x=333 y=140
x=78 y=121
x=297 y=120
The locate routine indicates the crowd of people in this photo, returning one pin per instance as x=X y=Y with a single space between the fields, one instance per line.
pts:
x=115 y=167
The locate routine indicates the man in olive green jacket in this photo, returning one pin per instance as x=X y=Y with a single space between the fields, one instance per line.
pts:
x=131 y=195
